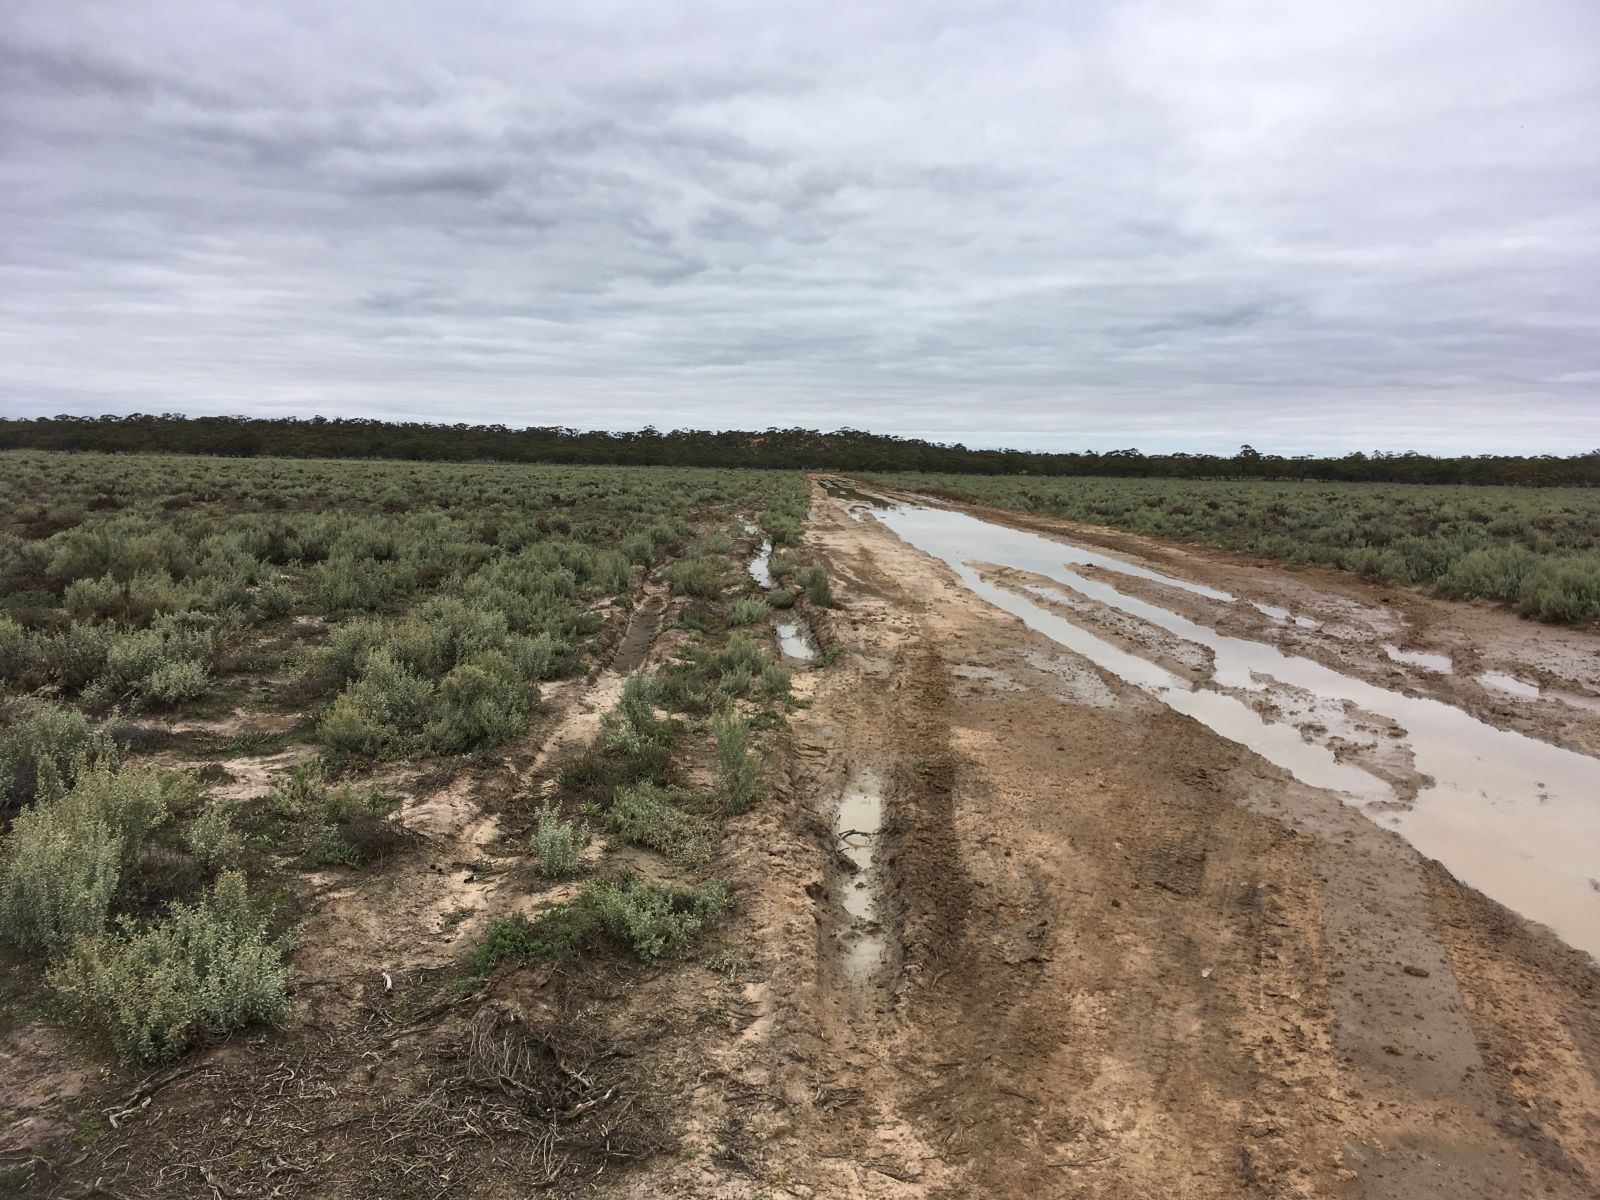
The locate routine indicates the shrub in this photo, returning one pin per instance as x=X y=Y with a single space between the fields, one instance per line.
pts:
x=557 y=843
x=204 y=968
x=815 y=582
x=655 y=920
x=212 y=838
x=652 y=920
x=480 y=703
x=632 y=725
x=175 y=682
x=66 y=854
x=1562 y=590
x=42 y=748
x=737 y=769
x=747 y=611
x=654 y=817
x=702 y=577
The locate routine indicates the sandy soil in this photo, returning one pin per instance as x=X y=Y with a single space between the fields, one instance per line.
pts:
x=1111 y=954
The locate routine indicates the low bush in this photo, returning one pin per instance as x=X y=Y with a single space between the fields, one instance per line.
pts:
x=748 y=610
x=702 y=577
x=64 y=858
x=42 y=748
x=815 y=582
x=153 y=989
x=738 y=770
x=652 y=920
x=213 y=840
x=557 y=843
x=662 y=819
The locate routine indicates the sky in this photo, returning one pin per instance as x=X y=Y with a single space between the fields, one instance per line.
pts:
x=1311 y=226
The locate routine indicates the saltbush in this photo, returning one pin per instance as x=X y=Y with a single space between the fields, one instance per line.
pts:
x=203 y=968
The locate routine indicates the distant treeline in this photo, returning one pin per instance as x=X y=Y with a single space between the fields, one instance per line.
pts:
x=783 y=449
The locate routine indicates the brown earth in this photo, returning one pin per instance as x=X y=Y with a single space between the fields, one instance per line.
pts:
x=1123 y=957
x=1127 y=958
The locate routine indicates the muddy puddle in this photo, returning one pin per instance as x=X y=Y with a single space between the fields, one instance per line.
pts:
x=1514 y=817
x=795 y=640
x=760 y=565
x=856 y=826
x=1439 y=663
x=1510 y=685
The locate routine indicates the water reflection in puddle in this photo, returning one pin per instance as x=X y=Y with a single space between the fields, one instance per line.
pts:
x=1517 y=818
x=1285 y=616
x=856 y=826
x=794 y=639
x=1510 y=685
x=1439 y=663
x=760 y=566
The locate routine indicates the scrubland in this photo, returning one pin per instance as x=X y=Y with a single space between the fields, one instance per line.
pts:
x=328 y=620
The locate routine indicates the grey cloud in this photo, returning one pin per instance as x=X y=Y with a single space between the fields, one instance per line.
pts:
x=1362 y=224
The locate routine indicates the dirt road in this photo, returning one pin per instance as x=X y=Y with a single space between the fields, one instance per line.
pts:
x=1113 y=953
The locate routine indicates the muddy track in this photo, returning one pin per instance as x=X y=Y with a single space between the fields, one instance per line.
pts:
x=1125 y=957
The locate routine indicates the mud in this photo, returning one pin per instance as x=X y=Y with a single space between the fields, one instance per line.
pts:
x=857 y=824
x=1126 y=955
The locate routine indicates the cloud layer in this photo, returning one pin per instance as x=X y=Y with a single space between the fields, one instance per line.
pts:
x=1310 y=226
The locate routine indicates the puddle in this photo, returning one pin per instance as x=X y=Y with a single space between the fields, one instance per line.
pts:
x=760 y=567
x=1285 y=616
x=1509 y=684
x=856 y=827
x=794 y=639
x=1516 y=818
x=1588 y=703
x=1443 y=664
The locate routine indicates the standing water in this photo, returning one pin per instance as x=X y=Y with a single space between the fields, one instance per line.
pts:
x=1516 y=818
x=856 y=827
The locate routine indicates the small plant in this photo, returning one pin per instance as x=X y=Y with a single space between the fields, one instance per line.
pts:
x=702 y=577
x=204 y=968
x=815 y=582
x=557 y=843
x=212 y=838
x=652 y=920
x=747 y=611
x=738 y=770
x=658 y=819
x=66 y=855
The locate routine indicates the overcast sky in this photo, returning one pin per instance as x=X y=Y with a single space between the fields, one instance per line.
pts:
x=1313 y=226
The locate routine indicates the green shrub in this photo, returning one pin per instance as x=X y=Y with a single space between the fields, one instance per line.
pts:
x=703 y=577
x=64 y=858
x=42 y=748
x=212 y=838
x=205 y=968
x=652 y=920
x=780 y=598
x=748 y=610
x=557 y=843
x=815 y=582
x=655 y=920
x=1561 y=589
x=738 y=770
x=480 y=703
x=175 y=682
x=657 y=818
